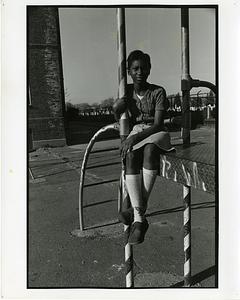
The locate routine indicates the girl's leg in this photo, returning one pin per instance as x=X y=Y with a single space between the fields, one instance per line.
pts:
x=133 y=183
x=150 y=170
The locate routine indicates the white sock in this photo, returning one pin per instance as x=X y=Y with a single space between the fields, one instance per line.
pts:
x=133 y=183
x=149 y=177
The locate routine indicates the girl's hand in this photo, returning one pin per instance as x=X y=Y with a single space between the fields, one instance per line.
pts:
x=119 y=107
x=127 y=145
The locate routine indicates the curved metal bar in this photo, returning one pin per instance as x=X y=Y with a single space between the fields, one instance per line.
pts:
x=203 y=83
x=114 y=126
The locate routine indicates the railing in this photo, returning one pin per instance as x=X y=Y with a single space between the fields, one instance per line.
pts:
x=199 y=100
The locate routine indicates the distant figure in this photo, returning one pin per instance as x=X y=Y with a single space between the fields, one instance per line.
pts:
x=147 y=105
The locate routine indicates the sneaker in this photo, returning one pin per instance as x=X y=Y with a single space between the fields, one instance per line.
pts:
x=126 y=216
x=138 y=232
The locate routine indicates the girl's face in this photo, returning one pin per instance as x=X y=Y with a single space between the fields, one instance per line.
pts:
x=139 y=71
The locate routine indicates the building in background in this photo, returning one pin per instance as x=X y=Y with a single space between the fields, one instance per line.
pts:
x=46 y=105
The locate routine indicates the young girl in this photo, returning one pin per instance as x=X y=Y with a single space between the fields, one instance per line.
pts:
x=147 y=105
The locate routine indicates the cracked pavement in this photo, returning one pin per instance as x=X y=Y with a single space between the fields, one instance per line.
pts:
x=60 y=255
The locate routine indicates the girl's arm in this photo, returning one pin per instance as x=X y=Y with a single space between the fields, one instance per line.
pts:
x=157 y=126
x=119 y=106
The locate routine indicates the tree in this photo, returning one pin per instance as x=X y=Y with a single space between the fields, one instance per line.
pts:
x=177 y=100
x=71 y=111
x=95 y=105
x=107 y=103
x=68 y=105
x=83 y=106
x=211 y=98
x=67 y=95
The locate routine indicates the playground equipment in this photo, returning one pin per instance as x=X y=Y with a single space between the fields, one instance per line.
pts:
x=188 y=166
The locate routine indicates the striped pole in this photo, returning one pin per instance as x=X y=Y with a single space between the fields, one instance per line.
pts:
x=127 y=248
x=187 y=235
x=124 y=131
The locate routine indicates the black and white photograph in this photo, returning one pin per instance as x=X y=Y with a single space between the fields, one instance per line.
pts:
x=120 y=166
x=122 y=116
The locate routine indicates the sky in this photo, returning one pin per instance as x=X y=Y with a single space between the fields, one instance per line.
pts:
x=89 y=48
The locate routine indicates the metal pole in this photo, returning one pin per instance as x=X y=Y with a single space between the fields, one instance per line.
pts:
x=186 y=124
x=186 y=79
x=122 y=72
x=208 y=112
x=187 y=235
x=124 y=131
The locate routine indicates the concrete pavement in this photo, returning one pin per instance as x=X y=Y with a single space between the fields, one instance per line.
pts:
x=58 y=256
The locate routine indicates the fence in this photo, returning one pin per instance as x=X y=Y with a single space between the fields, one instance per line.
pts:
x=201 y=101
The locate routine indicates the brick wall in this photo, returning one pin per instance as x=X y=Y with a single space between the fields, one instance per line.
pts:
x=46 y=112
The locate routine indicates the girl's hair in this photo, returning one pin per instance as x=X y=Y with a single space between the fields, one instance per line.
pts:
x=136 y=55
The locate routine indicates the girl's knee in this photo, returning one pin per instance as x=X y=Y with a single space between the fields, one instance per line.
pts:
x=133 y=162
x=150 y=151
x=151 y=156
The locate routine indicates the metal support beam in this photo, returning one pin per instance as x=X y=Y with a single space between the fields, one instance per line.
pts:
x=122 y=72
x=124 y=131
x=186 y=79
